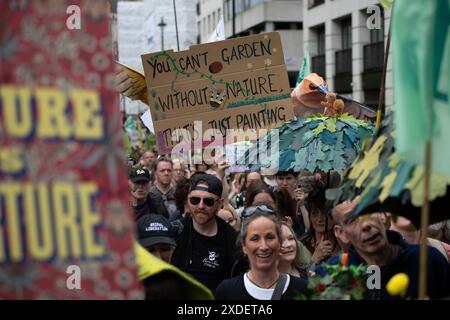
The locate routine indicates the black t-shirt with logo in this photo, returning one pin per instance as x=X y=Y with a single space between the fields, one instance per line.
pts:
x=209 y=258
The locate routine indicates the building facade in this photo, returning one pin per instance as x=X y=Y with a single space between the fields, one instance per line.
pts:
x=346 y=40
x=139 y=31
x=208 y=16
x=256 y=16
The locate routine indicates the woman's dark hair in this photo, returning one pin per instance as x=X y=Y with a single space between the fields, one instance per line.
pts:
x=287 y=207
x=256 y=188
x=181 y=193
x=281 y=174
x=317 y=202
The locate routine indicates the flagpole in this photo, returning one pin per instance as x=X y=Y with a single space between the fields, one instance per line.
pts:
x=233 y=8
x=380 y=109
x=139 y=128
x=176 y=24
x=425 y=215
x=424 y=221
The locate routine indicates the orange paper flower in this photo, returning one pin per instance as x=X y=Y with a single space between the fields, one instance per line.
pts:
x=344 y=259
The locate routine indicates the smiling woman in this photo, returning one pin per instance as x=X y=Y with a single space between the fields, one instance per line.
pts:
x=261 y=242
x=294 y=256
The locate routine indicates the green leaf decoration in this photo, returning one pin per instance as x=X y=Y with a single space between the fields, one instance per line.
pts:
x=327 y=137
x=307 y=137
x=297 y=141
x=286 y=158
x=295 y=124
x=339 y=163
x=438 y=186
x=319 y=143
x=404 y=171
x=301 y=159
x=381 y=176
x=339 y=283
x=319 y=128
x=330 y=124
x=324 y=166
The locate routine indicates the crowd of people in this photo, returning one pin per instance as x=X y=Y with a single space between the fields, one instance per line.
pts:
x=255 y=236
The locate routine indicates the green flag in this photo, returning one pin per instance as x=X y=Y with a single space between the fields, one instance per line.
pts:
x=305 y=69
x=130 y=124
x=422 y=80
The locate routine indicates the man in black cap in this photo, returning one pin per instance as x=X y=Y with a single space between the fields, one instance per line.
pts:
x=157 y=235
x=206 y=248
x=138 y=183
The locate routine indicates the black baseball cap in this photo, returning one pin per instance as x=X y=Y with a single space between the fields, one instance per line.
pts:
x=139 y=174
x=154 y=229
x=214 y=184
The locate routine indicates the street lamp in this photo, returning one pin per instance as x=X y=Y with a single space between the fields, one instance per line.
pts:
x=162 y=24
x=233 y=9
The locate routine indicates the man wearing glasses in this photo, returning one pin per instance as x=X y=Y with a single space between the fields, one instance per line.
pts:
x=206 y=247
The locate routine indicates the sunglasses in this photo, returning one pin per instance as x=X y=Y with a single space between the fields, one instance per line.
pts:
x=248 y=212
x=209 y=202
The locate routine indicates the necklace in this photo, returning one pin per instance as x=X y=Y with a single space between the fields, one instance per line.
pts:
x=259 y=286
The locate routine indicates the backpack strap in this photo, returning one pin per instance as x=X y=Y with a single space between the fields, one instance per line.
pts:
x=278 y=291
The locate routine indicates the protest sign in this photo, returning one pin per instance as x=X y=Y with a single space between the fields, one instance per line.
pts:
x=66 y=228
x=240 y=83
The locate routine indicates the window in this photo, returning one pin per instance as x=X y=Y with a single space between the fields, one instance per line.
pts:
x=209 y=24
x=314 y=3
x=218 y=14
x=199 y=32
x=321 y=40
x=239 y=6
x=229 y=7
x=204 y=25
x=318 y=60
x=288 y=26
x=346 y=33
x=377 y=35
x=292 y=75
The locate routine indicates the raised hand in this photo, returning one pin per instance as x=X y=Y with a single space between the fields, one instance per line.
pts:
x=324 y=249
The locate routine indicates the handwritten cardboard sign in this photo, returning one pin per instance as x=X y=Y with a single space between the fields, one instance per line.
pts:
x=240 y=83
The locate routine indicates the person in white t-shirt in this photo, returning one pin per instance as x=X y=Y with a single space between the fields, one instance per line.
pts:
x=261 y=242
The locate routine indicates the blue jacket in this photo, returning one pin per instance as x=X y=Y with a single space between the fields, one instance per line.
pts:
x=407 y=261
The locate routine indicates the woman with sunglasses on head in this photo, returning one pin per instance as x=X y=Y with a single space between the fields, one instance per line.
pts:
x=258 y=193
x=260 y=239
